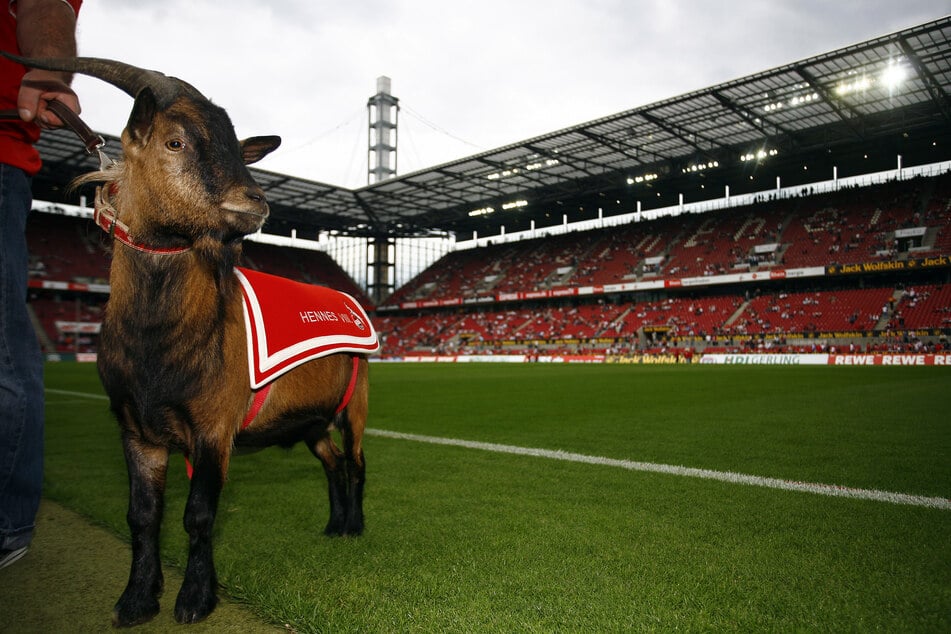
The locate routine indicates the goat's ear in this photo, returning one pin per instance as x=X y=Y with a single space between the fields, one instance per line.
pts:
x=256 y=148
x=143 y=115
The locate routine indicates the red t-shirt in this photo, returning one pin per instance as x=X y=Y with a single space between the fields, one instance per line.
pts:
x=16 y=137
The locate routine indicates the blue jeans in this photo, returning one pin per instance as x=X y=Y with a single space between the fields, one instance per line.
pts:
x=21 y=371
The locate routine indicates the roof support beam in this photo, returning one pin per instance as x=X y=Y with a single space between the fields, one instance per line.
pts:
x=687 y=136
x=619 y=146
x=938 y=95
x=832 y=102
x=502 y=167
x=755 y=121
x=582 y=166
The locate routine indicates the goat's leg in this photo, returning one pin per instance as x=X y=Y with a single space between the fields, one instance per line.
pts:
x=198 y=594
x=147 y=466
x=355 y=474
x=351 y=475
x=329 y=454
x=345 y=470
x=352 y=422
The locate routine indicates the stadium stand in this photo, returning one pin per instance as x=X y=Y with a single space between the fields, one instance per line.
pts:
x=848 y=227
x=623 y=254
x=850 y=310
x=65 y=248
x=303 y=265
x=682 y=316
x=715 y=244
x=460 y=273
x=921 y=307
x=840 y=228
x=835 y=229
x=59 y=317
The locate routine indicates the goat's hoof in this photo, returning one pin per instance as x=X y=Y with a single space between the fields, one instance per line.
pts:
x=194 y=605
x=353 y=530
x=130 y=612
x=335 y=528
x=354 y=527
x=344 y=528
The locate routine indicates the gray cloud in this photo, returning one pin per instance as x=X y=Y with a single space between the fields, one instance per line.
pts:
x=469 y=76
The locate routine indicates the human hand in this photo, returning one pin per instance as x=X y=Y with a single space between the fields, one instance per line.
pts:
x=38 y=87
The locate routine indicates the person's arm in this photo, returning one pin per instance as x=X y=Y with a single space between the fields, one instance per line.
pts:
x=45 y=28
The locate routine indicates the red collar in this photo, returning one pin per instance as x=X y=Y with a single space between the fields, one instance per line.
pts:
x=107 y=218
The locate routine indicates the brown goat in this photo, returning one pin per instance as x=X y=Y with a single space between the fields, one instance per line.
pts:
x=173 y=357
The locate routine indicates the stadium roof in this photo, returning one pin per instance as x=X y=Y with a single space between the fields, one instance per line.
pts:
x=854 y=108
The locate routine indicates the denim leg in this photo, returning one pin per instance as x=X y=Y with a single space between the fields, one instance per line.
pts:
x=21 y=371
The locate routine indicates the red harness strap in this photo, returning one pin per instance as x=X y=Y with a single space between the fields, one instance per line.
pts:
x=256 y=404
x=261 y=395
x=350 y=387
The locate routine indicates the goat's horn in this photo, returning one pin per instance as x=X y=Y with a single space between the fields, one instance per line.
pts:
x=126 y=77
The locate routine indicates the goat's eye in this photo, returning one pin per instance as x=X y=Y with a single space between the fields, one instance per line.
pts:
x=175 y=145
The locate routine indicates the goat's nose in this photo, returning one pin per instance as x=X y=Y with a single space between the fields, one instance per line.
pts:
x=255 y=194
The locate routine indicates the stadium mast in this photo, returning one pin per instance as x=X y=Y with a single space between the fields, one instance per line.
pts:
x=383 y=114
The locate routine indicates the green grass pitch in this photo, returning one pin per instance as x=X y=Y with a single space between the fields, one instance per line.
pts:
x=463 y=540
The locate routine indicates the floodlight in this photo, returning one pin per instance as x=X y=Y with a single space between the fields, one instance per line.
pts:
x=856 y=85
x=894 y=76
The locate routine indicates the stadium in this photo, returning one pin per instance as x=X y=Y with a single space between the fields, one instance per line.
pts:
x=797 y=216
x=802 y=208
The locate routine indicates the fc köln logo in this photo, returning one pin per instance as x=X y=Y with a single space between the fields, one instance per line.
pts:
x=357 y=319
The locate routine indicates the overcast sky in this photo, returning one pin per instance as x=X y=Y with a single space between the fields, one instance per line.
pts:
x=470 y=76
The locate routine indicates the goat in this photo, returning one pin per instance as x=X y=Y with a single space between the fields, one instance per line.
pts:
x=172 y=356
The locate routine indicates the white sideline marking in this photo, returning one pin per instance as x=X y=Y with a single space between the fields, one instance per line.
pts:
x=832 y=490
x=706 y=474
x=98 y=397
